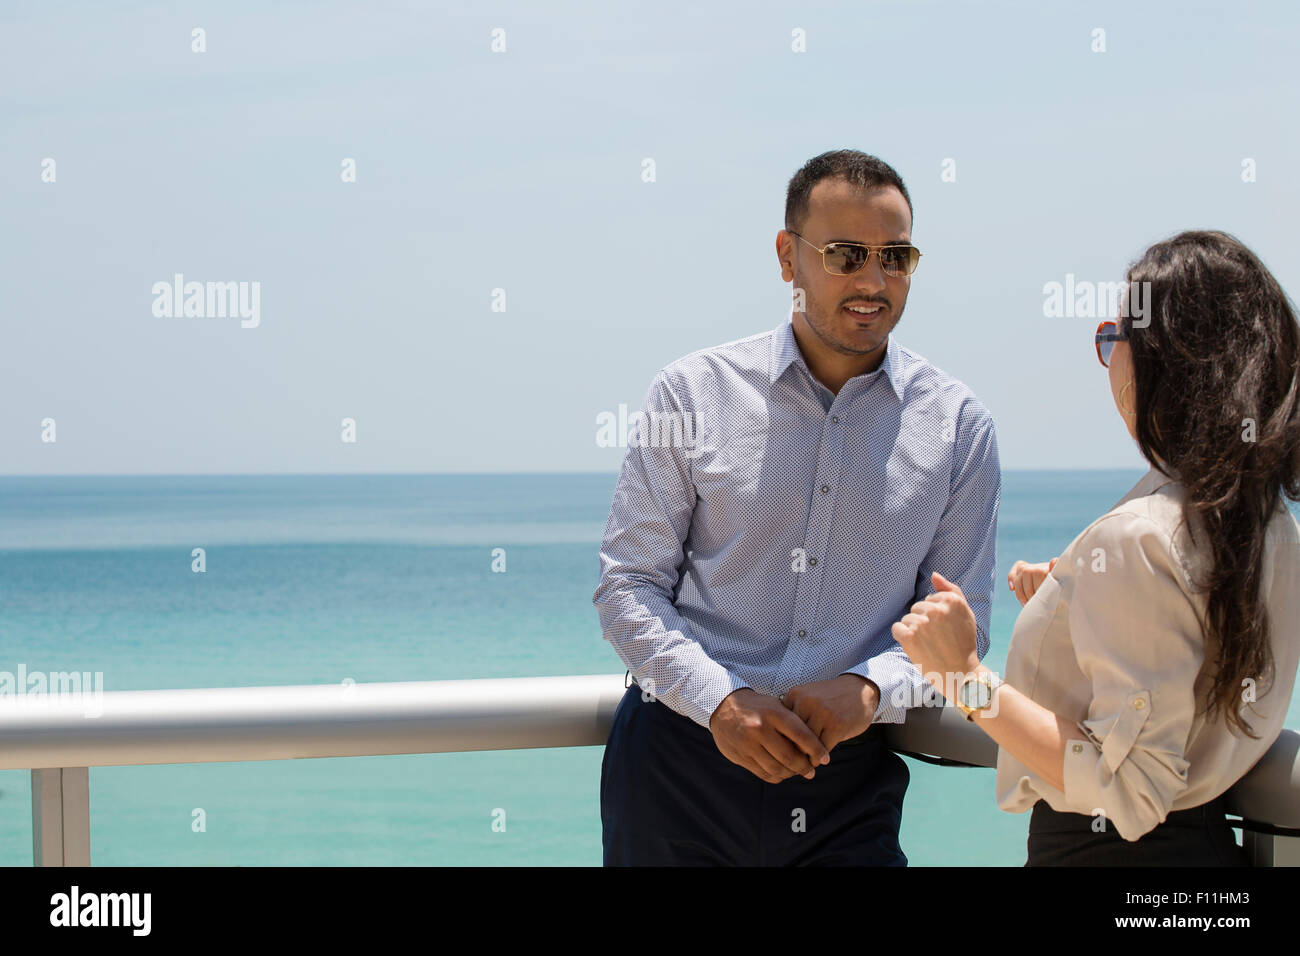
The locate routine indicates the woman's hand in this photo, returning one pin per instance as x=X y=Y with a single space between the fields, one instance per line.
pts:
x=1025 y=579
x=939 y=634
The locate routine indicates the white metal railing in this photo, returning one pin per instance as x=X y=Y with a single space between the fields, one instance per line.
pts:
x=60 y=737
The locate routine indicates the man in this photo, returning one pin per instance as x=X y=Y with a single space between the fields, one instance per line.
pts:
x=760 y=548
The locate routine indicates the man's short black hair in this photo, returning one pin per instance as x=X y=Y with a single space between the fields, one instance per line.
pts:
x=851 y=165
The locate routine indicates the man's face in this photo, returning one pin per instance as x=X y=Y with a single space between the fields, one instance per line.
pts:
x=841 y=212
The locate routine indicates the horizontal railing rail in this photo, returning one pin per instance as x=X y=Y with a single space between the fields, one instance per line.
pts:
x=59 y=737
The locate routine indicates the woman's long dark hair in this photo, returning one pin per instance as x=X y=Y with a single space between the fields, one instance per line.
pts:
x=1217 y=397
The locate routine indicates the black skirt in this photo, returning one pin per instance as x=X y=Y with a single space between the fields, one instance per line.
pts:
x=1198 y=836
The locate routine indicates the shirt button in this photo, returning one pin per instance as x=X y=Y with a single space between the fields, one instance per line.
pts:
x=835 y=419
x=1139 y=703
x=802 y=632
x=1078 y=748
x=812 y=562
x=825 y=488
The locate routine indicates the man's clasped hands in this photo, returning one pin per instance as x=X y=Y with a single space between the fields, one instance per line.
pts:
x=777 y=738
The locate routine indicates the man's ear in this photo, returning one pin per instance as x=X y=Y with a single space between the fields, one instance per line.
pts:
x=785 y=255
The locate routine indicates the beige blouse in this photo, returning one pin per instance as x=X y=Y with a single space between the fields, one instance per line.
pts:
x=1111 y=640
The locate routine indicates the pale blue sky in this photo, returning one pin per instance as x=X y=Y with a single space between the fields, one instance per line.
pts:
x=521 y=171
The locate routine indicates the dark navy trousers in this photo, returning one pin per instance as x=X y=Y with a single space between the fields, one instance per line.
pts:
x=668 y=797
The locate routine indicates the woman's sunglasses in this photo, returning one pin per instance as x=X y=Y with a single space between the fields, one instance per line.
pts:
x=846 y=258
x=1108 y=334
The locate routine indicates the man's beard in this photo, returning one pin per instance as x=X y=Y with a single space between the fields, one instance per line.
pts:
x=826 y=331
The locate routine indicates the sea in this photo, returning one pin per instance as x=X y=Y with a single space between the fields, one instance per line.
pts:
x=318 y=579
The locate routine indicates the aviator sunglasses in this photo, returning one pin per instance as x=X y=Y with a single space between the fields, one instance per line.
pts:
x=846 y=258
x=1108 y=334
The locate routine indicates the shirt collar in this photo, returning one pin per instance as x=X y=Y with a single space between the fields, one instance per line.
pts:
x=785 y=352
x=1148 y=484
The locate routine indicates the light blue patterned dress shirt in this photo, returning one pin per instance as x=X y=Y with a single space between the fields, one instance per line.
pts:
x=766 y=532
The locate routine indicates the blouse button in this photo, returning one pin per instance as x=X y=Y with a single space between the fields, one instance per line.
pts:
x=1139 y=703
x=1078 y=748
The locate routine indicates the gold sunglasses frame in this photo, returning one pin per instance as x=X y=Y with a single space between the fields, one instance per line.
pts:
x=870 y=250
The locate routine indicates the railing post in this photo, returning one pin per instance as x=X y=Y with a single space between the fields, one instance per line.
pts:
x=1267 y=849
x=61 y=816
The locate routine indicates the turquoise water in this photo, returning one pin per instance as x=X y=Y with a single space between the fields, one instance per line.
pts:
x=314 y=579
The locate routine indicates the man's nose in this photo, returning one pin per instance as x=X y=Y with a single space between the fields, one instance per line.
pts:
x=870 y=279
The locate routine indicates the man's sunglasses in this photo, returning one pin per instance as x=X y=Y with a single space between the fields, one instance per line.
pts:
x=1108 y=334
x=846 y=258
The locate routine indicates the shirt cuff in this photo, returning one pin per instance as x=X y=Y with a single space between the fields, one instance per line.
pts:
x=703 y=690
x=1083 y=770
x=1133 y=805
x=900 y=686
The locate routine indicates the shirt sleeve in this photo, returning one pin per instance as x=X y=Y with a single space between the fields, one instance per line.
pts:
x=1137 y=638
x=963 y=550
x=640 y=561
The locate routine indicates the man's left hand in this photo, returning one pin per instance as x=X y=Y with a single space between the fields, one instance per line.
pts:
x=836 y=709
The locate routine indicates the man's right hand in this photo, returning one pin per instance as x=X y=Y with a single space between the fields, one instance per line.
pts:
x=765 y=737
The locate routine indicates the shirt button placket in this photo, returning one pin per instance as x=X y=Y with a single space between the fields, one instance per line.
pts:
x=830 y=455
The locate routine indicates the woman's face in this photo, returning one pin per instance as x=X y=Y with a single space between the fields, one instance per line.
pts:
x=1121 y=375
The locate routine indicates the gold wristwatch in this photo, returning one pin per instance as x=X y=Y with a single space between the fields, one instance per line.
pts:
x=977 y=693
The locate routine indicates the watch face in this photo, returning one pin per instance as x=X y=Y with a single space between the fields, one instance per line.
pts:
x=975 y=693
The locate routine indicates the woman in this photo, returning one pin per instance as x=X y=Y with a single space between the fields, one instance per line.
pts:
x=1154 y=660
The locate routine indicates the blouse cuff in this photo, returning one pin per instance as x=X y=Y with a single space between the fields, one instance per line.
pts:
x=1092 y=765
